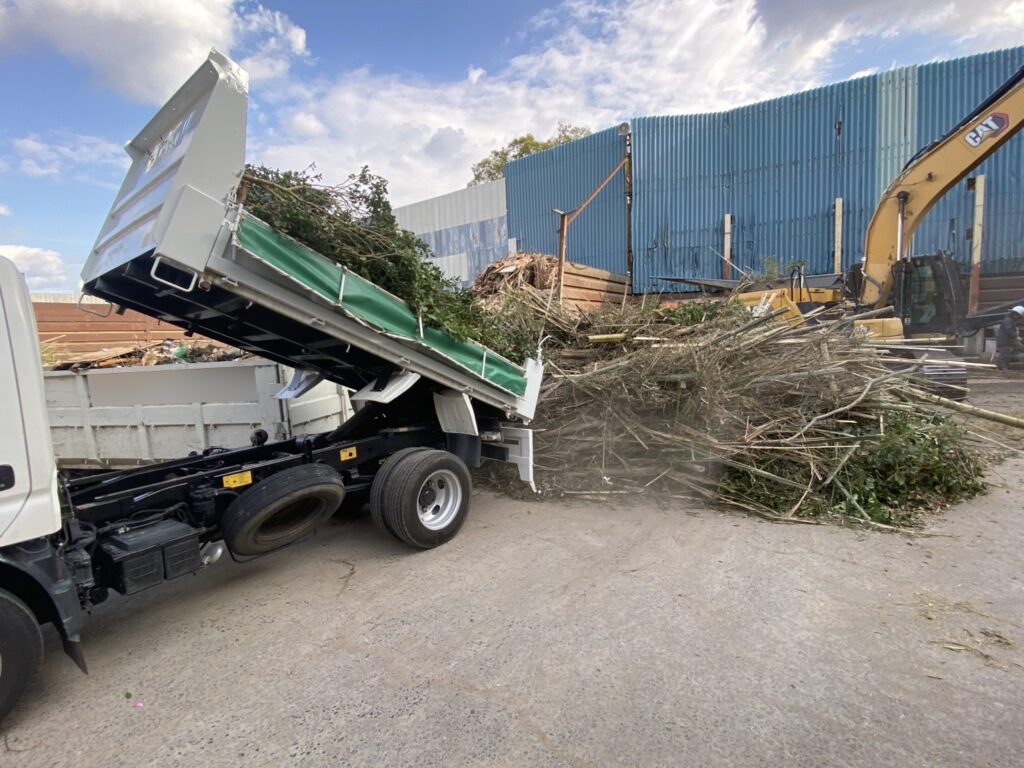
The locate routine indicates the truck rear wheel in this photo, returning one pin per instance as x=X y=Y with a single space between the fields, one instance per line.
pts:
x=282 y=508
x=426 y=498
x=380 y=482
x=21 y=650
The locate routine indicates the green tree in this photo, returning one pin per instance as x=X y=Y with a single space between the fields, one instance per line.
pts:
x=492 y=167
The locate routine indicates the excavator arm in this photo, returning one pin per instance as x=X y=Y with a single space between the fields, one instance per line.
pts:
x=928 y=176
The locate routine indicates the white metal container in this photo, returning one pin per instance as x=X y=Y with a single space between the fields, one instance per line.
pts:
x=125 y=417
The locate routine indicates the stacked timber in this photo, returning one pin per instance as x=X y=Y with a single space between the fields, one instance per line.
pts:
x=997 y=290
x=79 y=333
x=590 y=289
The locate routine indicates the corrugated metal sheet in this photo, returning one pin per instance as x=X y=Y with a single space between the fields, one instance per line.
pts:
x=463 y=206
x=947 y=91
x=463 y=252
x=778 y=166
x=466 y=230
x=564 y=177
x=897 y=124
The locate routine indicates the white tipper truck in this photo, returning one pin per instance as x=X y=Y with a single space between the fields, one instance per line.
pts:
x=179 y=246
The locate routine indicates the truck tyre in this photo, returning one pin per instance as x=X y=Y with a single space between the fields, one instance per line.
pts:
x=426 y=498
x=21 y=650
x=380 y=482
x=281 y=509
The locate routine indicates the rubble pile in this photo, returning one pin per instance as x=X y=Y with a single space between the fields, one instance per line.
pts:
x=160 y=353
x=517 y=271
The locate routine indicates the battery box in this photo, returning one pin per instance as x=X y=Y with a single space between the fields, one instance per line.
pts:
x=145 y=556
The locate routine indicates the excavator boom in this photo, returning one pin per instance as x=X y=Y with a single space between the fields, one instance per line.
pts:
x=928 y=176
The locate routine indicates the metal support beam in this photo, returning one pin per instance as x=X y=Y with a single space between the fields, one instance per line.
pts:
x=563 y=233
x=567 y=218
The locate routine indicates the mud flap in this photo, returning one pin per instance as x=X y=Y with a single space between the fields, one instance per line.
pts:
x=518 y=443
x=73 y=648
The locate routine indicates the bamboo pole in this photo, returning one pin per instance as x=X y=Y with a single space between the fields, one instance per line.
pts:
x=973 y=410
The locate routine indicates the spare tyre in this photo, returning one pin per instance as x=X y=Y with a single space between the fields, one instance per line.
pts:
x=282 y=509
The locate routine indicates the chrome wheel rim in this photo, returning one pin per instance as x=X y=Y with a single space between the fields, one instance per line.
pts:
x=439 y=499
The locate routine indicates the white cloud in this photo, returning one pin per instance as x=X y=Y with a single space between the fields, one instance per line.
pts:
x=596 y=64
x=305 y=124
x=5 y=210
x=589 y=63
x=90 y=159
x=145 y=50
x=43 y=269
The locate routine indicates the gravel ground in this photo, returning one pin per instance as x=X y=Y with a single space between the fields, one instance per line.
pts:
x=565 y=635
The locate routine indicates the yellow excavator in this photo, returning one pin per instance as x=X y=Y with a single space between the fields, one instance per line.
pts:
x=926 y=292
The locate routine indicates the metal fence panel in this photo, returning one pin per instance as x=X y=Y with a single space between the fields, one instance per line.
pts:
x=778 y=167
x=564 y=177
x=466 y=230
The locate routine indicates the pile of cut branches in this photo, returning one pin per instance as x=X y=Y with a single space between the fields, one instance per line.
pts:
x=353 y=225
x=787 y=421
x=520 y=270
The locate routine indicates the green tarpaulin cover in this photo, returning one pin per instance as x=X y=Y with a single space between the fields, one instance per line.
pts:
x=373 y=305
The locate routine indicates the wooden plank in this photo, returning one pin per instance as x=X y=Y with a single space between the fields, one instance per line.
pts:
x=83 y=328
x=1001 y=296
x=974 y=284
x=74 y=333
x=107 y=335
x=581 y=269
x=587 y=295
x=595 y=284
x=586 y=306
x=837 y=242
x=1003 y=280
x=45 y=310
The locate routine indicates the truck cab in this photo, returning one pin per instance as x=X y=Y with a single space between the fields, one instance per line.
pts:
x=29 y=506
x=36 y=585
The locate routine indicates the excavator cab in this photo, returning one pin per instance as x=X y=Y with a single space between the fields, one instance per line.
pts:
x=928 y=295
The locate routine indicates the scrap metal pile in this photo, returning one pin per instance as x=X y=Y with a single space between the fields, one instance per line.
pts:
x=790 y=421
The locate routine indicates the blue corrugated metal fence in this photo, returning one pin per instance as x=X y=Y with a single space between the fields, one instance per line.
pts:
x=564 y=177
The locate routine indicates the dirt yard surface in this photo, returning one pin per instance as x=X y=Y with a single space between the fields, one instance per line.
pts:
x=567 y=635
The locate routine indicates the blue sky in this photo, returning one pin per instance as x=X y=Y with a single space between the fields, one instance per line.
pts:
x=419 y=91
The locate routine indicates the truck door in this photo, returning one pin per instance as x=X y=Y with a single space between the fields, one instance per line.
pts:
x=28 y=494
x=14 y=483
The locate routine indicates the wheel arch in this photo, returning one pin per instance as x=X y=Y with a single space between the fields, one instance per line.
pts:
x=26 y=588
x=40 y=579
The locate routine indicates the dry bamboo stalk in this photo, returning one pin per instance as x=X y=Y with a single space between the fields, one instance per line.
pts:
x=973 y=410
